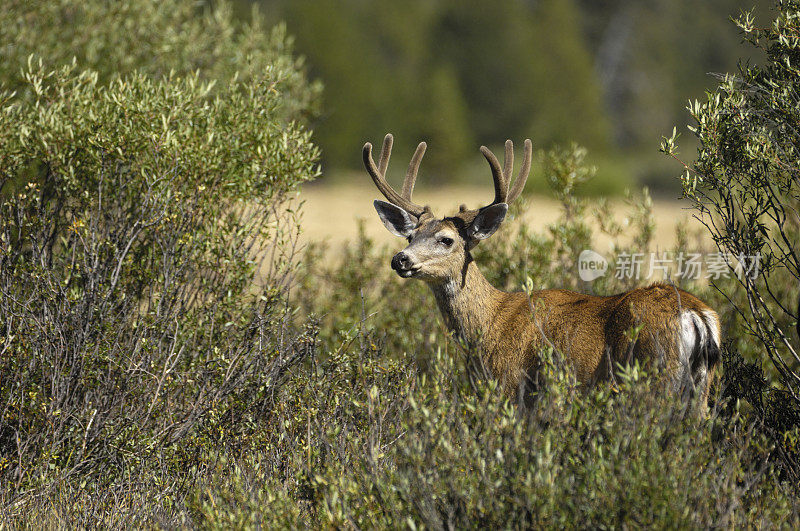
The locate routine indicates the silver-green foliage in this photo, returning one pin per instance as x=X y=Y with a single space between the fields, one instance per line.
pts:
x=153 y=37
x=145 y=244
x=745 y=183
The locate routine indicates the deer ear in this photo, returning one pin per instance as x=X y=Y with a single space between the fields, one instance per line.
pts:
x=487 y=221
x=398 y=221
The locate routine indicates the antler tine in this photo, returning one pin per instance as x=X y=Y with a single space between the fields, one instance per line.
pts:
x=380 y=180
x=508 y=161
x=502 y=177
x=386 y=152
x=522 y=177
x=413 y=167
x=500 y=184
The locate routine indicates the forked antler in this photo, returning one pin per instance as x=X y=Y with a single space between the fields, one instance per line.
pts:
x=502 y=177
x=378 y=174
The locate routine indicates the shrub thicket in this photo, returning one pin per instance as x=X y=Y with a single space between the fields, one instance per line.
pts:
x=744 y=185
x=423 y=439
x=155 y=38
x=145 y=243
x=166 y=361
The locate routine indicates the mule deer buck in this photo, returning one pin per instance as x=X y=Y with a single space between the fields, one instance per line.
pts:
x=675 y=329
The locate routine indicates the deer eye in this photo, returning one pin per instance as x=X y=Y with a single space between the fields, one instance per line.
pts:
x=446 y=241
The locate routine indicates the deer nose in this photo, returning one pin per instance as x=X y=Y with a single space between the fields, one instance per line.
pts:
x=401 y=261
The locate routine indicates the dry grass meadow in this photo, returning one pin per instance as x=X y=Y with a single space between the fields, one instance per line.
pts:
x=331 y=213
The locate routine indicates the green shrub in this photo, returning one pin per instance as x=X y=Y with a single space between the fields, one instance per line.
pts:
x=445 y=451
x=145 y=247
x=744 y=182
x=744 y=187
x=157 y=38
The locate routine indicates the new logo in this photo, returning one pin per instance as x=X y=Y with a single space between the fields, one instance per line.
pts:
x=591 y=265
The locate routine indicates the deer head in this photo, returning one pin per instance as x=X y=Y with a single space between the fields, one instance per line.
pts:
x=438 y=249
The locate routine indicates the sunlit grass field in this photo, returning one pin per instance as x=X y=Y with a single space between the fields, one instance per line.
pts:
x=332 y=212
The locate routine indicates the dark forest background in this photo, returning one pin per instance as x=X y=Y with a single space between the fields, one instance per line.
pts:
x=613 y=76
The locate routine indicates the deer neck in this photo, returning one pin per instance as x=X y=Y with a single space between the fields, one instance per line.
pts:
x=467 y=304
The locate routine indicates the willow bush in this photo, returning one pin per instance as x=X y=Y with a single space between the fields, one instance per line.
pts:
x=145 y=240
x=745 y=186
x=154 y=38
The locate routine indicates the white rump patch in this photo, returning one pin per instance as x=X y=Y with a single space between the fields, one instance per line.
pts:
x=697 y=333
x=713 y=324
x=693 y=334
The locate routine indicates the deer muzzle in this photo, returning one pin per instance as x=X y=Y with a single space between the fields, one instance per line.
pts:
x=403 y=265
